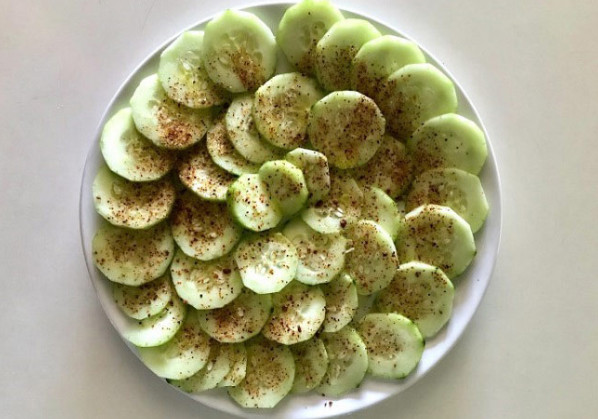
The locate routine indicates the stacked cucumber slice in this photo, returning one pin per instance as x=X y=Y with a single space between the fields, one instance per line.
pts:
x=248 y=216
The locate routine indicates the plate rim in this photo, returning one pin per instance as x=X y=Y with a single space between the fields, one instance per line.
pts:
x=496 y=208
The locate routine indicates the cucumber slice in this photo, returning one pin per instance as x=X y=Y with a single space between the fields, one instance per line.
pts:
x=286 y=185
x=216 y=368
x=239 y=51
x=131 y=204
x=143 y=301
x=198 y=172
x=381 y=209
x=270 y=375
x=203 y=230
x=391 y=168
x=347 y=362
x=379 y=58
x=347 y=127
x=223 y=152
x=182 y=356
x=336 y=50
x=321 y=256
x=438 y=236
x=373 y=259
x=448 y=140
x=281 y=108
x=341 y=302
x=314 y=166
x=183 y=75
x=394 y=344
x=251 y=205
x=341 y=207
x=267 y=262
x=129 y=154
x=164 y=121
x=301 y=27
x=239 y=320
x=237 y=355
x=414 y=94
x=311 y=363
x=243 y=133
x=158 y=329
x=452 y=188
x=422 y=293
x=133 y=257
x=298 y=313
x=205 y=285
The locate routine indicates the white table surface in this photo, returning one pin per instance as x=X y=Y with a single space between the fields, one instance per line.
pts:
x=531 y=68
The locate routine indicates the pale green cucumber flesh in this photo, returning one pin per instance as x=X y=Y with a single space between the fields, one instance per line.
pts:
x=129 y=154
x=420 y=292
x=452 y=188
x=301 y=27
x=394 y=344
x=239 y=320
x=336 y=50
x=203 y=229
x=129 y=204
x=298 y=313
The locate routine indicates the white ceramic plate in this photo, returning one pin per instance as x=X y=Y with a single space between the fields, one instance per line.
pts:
x=470 y=286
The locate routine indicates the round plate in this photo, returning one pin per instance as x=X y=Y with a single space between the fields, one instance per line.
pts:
x=470 y=286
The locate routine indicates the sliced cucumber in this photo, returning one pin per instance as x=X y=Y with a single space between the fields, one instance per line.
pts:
x=182 y=356
x=438 y=236
x=239 y=51
x=311 y=363
x=129 y=154
x=216 y=368
x=341 y=302
x=239 y=320
x=298 y=313
x=267 y=262
x=394 y=344
x=381 y=209
x=205 y=285
x=347 y=127
x=270 y=375
x=243 y=133
x=448 y=140
x=237 y=355
x=347 y=362
x=373 y=259
x=316 y=172
x=251 y=205
x=203 y=229
x=422 y=293
x=286 y=185
x=145 y=300
x=321 y=256
x=158 y=329
x=133 y=257
x=452 y=188
x=183 y=75
x=414 y=94
x=131 y=204
x=198 y=172
x=379 y=58
x=336 y=50
x=223 y=152
x=341 y=207
x=301 y=27
x=391 y=168
x=281 y=108
x=164 y=121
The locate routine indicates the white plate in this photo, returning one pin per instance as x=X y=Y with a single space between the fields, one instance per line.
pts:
x=470 y=286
